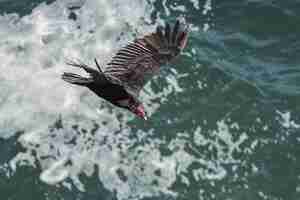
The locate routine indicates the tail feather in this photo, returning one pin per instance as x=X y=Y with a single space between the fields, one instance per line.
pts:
x=76 y=79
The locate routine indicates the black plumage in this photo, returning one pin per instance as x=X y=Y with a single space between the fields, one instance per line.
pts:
x=132 y=66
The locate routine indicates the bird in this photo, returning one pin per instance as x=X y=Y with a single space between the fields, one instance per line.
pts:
x=132 y=66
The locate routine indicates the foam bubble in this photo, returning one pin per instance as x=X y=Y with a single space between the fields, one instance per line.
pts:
x=207 y=7
x=286 y=121
x=56 y=173
x=195 y=4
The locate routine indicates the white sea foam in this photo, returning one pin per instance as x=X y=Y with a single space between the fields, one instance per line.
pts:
x=33 y=52
x=56 y=173
x=286 y=121
x=34 y=48
x=195 y=4
x=207 y=7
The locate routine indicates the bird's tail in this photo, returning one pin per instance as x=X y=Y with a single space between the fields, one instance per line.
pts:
x=76 y=79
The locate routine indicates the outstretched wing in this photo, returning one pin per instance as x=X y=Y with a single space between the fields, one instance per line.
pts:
x=136 y=63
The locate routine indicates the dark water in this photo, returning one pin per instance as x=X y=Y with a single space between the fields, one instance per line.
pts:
x=224 y=124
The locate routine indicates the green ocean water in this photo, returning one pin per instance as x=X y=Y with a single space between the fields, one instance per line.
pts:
x=224 y=125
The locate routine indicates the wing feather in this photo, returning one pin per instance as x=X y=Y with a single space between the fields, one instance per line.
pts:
x=168 y=32
x=175 y=32
x=128 y=53
x=134 y=64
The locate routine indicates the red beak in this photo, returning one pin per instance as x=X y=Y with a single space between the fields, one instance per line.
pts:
x=140 y=111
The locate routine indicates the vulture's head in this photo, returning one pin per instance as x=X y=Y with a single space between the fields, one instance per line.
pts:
x=134 y=106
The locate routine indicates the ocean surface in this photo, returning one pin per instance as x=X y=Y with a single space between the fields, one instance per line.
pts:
x=224 y=118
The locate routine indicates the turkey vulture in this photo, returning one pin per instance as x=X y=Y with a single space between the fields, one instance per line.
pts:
x=132 y=66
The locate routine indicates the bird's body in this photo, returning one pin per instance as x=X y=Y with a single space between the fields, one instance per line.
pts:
x=131 y=67
x=109 y=91
x=98 y=83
